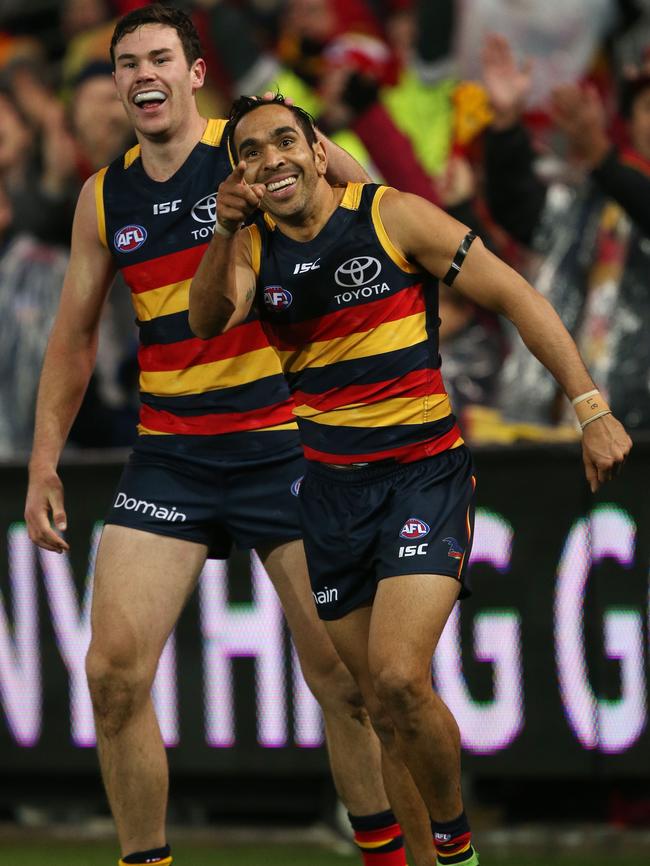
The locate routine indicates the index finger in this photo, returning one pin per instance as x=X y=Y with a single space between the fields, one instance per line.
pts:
x=239 y=170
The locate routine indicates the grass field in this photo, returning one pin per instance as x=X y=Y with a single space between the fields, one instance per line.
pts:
x=55 y=853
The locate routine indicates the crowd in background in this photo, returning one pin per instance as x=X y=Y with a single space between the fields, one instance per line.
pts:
x=528 y=121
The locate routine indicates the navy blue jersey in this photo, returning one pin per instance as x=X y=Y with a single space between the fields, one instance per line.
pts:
x=157 y=233
x=356 y=327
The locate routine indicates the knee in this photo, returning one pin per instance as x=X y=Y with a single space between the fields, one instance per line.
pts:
x=336 y=691
x=117 y=685
x=401 y=693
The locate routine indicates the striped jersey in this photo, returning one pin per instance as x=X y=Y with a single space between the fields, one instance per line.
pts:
x=356 y=328
x=157 y=233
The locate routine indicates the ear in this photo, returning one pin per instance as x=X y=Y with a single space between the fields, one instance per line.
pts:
x=320 y=158
x=198 y=73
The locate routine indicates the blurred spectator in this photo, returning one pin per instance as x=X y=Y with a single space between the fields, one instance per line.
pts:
x=590 y=234
x=562 y=41
x=31 y=275
x=100 y=124
x=38 y=183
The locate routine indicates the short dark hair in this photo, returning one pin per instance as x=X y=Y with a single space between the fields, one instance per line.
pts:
x=245 y=104
x=168 y=17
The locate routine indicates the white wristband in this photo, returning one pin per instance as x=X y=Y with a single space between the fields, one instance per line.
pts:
x=582 y=397
x=222 y=230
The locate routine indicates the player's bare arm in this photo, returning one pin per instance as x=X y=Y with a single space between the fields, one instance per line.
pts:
x=223 y=286
x=67 y=367
x=427 y=235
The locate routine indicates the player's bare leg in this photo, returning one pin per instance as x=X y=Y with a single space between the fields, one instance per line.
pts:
x=400 y=669
x=353 y=747
x=350 y=635
x=142 y=582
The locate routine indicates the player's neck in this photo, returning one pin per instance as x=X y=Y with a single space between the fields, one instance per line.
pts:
x=306 y=225
x=161 y=159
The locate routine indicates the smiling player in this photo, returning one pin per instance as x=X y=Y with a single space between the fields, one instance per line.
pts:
x=387 y=501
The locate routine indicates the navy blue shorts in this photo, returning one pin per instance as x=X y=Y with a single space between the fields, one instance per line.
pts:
x=220 y=503
x=362 y=525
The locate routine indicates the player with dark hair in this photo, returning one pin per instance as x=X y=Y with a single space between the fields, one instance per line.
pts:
x=346 y=282
x=217 y=462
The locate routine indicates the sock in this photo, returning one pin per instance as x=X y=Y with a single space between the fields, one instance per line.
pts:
x=453 y=842
x=379 y=839
x=158 y=856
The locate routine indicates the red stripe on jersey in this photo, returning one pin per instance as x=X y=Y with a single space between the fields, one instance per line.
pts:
x=164 y=270
x=405 y=454
x=350 y=320
x=161 y=357
x=419 y=383
x=216 y=423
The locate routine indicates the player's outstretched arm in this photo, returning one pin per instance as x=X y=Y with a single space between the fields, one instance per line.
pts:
x=223 y=287
x=425 y=233
x=67 y=368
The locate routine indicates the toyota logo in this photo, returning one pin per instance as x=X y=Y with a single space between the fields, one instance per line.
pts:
x=357 y=272
x=205 y=210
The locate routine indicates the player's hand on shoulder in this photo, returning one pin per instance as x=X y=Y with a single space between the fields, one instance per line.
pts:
x=237 y=199
x=45 y=498
x=605 y=445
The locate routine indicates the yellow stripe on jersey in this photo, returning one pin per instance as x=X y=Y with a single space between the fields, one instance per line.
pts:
x=365 y=344
x=396 y=255
x=99 y=205
x=214 y=131
x=227 y=373
x=145 y=431
x=387 y=413
x=256 y=248
x=291 y=425
x=352 y=196
x=173 y=298
x=131 y=155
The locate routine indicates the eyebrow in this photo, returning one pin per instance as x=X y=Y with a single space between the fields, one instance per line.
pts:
x=154 y=53
x=281 y=130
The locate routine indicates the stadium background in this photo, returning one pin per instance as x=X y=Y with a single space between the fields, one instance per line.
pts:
x=546 y=667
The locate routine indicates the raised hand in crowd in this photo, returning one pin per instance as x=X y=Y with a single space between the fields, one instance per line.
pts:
x=507 y=81
x=580 y=114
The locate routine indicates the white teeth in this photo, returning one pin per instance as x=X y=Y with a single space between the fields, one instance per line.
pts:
x=280 y=184
x=149 y=96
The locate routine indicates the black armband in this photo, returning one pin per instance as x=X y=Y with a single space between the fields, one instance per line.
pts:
x=459 y=258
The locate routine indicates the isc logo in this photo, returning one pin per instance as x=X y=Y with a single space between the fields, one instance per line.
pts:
x=305 y=267
x=129 y=238
x=413 y=550
x=414 y=528
x=277 y=298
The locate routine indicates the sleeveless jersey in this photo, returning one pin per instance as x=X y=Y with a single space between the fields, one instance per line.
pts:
x=356 y=327
x=157 y=234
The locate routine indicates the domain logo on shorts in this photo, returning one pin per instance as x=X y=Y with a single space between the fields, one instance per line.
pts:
x=414 y=528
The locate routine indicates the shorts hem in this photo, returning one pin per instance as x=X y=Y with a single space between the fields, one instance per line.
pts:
x=150 y=531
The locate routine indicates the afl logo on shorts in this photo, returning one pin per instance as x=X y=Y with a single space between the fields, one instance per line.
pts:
x=277 y=298
x=414 y=528
x=129 y=239
x=295 y=487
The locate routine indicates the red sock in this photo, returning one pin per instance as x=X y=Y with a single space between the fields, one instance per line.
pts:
x=379 y=839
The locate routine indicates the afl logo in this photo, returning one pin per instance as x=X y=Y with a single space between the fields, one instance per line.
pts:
x=295 y=487
x=357 y=272
x=129 y=239
x=205 y=209
x=414 y=528
x=277 y=298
